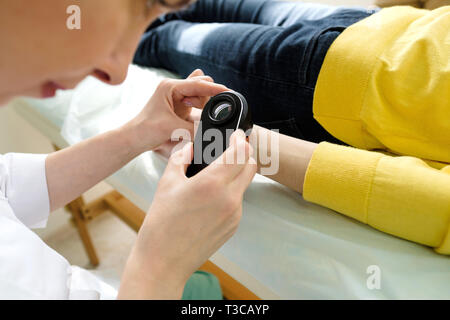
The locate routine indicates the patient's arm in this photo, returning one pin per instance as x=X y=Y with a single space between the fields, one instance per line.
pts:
x=294 y=157
x=403 y=196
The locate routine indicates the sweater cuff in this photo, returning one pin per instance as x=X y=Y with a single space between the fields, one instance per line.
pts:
x=340 y=178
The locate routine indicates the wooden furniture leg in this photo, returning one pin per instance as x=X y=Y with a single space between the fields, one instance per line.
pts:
x=231 y=289
x=76 y=209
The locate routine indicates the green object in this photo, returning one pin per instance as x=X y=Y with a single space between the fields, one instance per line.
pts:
x=202 y=286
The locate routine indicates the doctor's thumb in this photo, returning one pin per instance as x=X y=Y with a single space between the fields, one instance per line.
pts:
x=181 y=124
x=181 y=159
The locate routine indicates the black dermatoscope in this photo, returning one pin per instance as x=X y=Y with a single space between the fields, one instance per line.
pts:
x=224 y=114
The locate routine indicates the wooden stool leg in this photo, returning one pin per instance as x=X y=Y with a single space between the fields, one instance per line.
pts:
x=75 y=208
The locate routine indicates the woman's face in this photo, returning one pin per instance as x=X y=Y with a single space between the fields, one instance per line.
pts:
x=39 y=53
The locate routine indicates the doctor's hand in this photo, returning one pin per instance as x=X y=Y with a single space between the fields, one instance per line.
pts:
x=171 y=108
x=189 y=220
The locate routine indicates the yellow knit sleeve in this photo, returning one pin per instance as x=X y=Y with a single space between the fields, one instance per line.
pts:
x=402 y=196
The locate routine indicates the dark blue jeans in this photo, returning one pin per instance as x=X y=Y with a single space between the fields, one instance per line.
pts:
x=270 y=51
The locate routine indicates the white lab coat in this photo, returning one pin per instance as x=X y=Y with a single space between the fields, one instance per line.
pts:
x=29 y=269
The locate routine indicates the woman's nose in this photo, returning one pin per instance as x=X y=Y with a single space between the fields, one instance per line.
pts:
x=102 y=75
x=113 y=71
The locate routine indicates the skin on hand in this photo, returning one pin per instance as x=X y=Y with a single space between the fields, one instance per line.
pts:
x=171 y=108
x=178 y=236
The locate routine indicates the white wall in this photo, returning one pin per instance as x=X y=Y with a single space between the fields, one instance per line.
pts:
x=16 y=135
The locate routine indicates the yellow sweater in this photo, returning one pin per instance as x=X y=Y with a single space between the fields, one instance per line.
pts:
x=385 y=86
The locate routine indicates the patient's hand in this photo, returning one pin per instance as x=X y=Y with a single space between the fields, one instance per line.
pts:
x=189 y=220
x=171 y=108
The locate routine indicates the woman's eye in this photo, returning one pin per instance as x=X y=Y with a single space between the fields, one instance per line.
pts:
x=174 y=4
x=168 y=4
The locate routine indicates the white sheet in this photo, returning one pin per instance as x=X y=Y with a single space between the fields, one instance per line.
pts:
x=297 y=249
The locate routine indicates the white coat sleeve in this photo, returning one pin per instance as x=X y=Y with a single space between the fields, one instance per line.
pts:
x=23 y=183
x=29 y=269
